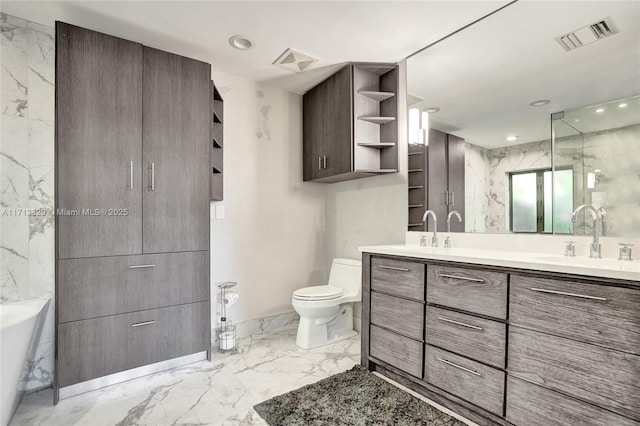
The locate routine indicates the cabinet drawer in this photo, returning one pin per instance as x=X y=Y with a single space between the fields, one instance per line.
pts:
x=101 y=286
x=477 y=338
x=598 y=375
x=599 y=314
x=477 y=383
x=532 y=405
x=472 y=290
x=401 y=315
x=398 y=351
x=398 y=277
x=101 y=346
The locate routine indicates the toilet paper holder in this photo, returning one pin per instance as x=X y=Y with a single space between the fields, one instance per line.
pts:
x=226 y=333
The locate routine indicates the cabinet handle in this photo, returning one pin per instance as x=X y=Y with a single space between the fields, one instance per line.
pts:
x=140 y=324
x=562 y=293
x=319 y=163
x=475 y=327
x=457 y=277
x=452 y=198
x=141 y=266
x=393 y=268
x=324 y=161
x=459 y=367
x=153 y=176
x=130 y=175
x=445 y=195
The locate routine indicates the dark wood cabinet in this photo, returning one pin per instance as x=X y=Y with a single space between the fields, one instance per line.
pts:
x=99 y=150
x=445 y=179
x=175 y=152
x=349 y=124
x=132 y=169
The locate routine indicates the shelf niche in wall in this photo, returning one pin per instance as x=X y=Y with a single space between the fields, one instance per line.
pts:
x=216 y=149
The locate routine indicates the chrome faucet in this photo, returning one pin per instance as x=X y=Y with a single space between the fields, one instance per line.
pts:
x=455 y=213
x=447 y=241
x=425 y=218
x=595 y=247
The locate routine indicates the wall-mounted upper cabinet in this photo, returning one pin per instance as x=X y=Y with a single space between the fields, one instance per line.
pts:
x=350 y=128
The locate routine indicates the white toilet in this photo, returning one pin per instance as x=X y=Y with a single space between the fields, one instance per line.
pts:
x=326 y=311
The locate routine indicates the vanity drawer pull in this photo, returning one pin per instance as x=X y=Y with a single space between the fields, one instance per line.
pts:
x=459 y=366
x=141 y=266
x=458 y=277
x=140 y=324
x=563 y=293
x=393 y=268
x=475 y=327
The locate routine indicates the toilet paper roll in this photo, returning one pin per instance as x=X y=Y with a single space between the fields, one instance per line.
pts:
x=230 y=298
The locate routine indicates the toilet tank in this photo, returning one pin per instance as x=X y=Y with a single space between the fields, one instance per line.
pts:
x=346 y=274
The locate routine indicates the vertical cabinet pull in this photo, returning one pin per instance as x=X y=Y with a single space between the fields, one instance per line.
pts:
x=130 y=175
x=153 y=176
x=319 y=163
x=452 y=198
x=140 y=324
x=324 y=161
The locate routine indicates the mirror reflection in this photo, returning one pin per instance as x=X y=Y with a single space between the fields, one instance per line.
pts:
x=482 y=138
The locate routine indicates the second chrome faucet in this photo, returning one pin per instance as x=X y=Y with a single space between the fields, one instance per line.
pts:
x=425 y=218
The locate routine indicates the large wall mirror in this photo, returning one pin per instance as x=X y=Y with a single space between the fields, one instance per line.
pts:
x=519 y=118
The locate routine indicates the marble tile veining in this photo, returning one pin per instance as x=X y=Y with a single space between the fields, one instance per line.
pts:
x=220 y=392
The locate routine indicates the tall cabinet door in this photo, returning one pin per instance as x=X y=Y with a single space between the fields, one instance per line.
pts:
x=437 y=178
x=313 y=129
x=338 y=142
x=175 y=153
x=98 y=143
x=456 y=165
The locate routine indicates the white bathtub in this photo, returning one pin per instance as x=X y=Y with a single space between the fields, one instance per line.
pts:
x=18 y=324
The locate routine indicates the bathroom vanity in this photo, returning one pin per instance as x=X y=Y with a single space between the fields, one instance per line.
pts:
x=503 y=338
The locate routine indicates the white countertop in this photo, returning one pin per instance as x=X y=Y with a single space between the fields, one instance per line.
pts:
x=606 y=268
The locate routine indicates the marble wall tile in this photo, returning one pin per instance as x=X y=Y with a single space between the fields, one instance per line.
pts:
x=13 y=78
x=27 y=178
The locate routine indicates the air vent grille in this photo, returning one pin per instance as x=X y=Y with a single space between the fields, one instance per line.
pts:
x=587 y=34
x=294 y=61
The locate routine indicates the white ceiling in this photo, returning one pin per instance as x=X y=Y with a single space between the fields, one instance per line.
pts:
x=332 y=31
x=484 y=77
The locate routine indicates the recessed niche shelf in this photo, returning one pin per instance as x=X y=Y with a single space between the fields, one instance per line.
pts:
x=216 y=170
x=216 y=150
x=217 y=144
x=375 y=95
x=377 y=120
x=378 y=145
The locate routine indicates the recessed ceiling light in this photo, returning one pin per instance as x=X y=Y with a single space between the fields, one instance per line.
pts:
x=512 y=138
x=597 y=171
x=622 y=105
x=431 y=110
x=241 y=42
x=540 y=102
x=600 y=110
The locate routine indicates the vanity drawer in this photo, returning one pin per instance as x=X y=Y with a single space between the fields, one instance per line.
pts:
x=477 y=338
x=101 y=286
x=398 y=351
x=101 y=346
x=477 y=383
x=531 y=405
x=472 y=290
x=592 y=373
x=398 y=277
x=401 y=315
x=599 y=314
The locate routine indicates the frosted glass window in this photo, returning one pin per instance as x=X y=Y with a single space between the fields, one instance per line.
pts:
x=563 y=196
x=523 y=202
x=548 y=201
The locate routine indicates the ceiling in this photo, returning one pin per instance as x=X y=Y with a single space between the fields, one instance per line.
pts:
x=484 y=78
x=334 y=32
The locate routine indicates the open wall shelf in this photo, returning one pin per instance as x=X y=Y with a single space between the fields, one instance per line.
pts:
x=377 y=96
x=216 y=157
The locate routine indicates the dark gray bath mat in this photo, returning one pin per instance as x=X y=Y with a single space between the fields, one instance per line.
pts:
x=355 y=397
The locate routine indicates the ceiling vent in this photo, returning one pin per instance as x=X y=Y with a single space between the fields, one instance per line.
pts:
x=587 y=34
x=295 y=61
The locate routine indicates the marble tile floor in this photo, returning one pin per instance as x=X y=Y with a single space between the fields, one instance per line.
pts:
x=220 y=392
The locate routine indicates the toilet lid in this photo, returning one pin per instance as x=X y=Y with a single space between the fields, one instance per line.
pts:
x=319 y=292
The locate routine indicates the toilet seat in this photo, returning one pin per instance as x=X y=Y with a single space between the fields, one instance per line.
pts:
x=320 y=292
